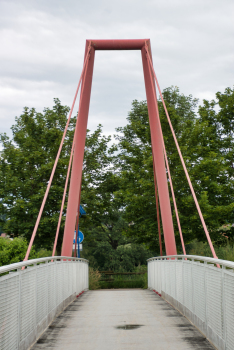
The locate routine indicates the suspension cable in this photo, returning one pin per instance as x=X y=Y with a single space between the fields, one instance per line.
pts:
x=182 y=161
x=55 y=163
x=84 y=71
x=78 y=207
x=64 y=196
x=168 y=169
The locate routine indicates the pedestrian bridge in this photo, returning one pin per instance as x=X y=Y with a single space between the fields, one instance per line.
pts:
x=189 y=299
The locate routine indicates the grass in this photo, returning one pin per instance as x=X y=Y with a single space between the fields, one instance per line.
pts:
x=94 y=277
x=100 y=281
x=202 y=248
x=132 y=281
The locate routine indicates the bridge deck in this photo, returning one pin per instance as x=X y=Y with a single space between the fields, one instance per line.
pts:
x=124 y=319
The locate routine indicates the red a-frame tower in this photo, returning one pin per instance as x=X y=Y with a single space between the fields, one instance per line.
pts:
x=160 y=176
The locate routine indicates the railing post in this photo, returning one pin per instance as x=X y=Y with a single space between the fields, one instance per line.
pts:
x=160 y=276
x=86 y=281
x=47 y=283
x=223 y=307
x=56 y=289
x=152 y=276
x=205 y=288
x=19 y=308
x=175 y=289
x=183 y=286
x=148 y=272
x=165 y=281
x=35 y=318
x=193 y=299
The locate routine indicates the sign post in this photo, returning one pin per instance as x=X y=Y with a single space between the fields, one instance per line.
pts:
x=80 y=238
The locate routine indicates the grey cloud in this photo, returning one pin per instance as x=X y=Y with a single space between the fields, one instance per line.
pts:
x=42 y=47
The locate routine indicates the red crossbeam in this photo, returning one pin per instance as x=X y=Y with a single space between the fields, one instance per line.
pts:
x=125 y=44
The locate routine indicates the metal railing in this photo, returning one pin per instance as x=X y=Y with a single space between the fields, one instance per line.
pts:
x=200 y=290
x=31 y=298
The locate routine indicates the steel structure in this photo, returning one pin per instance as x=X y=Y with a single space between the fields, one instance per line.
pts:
x=200 y=291
x=33 y=297
x=33 y=292
x=160 y=161
x=156 y=136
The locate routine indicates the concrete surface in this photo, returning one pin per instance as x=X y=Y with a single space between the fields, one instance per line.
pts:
x=121 y=319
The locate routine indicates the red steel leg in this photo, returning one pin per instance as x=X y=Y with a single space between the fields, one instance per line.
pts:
x=76 y=174
x=158 y=156
x=157 y=209
x=158 y=215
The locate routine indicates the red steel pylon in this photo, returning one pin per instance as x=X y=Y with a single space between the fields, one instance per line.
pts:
x=156 y=139
x=158 y=151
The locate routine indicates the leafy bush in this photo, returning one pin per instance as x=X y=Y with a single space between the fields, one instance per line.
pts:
x=203 y=249
x=42 y=253
x=133 y=283
x=123 y=259
x=13 y=251
x=127 y=281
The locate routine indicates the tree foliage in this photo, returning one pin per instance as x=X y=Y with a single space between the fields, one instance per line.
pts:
x=106 y=245
x=25 y=166
x=118 y=184
x=205 y=139
x=12 y=251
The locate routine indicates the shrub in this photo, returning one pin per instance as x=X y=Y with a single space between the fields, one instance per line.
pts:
x=203 y=249
x=94 y=277
x=13 y=251
x=42 y=253
x=134 y=283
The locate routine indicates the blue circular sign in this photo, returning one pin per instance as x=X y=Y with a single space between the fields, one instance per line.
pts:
x=80 y=237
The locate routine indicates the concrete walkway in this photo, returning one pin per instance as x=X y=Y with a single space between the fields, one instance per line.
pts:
x=121 y=319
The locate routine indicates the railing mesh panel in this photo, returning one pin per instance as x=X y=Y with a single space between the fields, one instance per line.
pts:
x=28 y=302
x=229 y=309
x=60 y=282
x=9 y=294
x=70 y=278
x=167 y=277
x=78 y=283
x=52 y=287
x=66 y=280
x=158 y=279
x=27 y=298
x=214 y=301
x=179 y=281
x=163 y=279
x=199 y=294
x=172 y=277
x=188 y=290
x=41 y=292
x=203 y=290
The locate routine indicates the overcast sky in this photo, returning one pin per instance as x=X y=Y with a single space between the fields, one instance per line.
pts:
x=42 y=47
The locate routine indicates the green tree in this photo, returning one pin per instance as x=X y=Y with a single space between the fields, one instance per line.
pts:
x=26 y=162
x=106 y=245
x=201 y=137
x=118 y=183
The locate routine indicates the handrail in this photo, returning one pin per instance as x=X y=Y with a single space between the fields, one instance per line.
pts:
x=19 y=265
x=225 y=263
